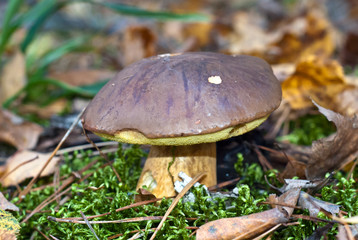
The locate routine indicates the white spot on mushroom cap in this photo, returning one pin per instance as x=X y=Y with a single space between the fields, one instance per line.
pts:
x=168 y=55
x=215 y=79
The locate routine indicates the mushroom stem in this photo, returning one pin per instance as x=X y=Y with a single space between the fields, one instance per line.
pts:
x=190 y=159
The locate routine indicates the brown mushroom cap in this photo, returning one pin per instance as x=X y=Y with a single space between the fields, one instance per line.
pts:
x=211 y=95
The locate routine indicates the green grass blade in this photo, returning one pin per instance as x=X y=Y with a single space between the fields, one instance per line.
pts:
x=37 y=16
x=57 y=53
x=8 y=28
x=160 y=15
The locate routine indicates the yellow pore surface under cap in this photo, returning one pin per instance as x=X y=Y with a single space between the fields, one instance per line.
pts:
x=135 y=137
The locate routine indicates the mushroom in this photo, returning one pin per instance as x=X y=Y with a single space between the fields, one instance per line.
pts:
x=182 y=104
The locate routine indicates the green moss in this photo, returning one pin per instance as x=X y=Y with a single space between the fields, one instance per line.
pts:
x=102 y=193
x=307 y=129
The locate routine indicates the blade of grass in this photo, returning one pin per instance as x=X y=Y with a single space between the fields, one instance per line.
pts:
x=38 y=15
x=57 y=53
x=8 y=28
x=160 y=15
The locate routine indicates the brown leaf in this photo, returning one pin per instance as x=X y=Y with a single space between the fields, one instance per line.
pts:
x=25 y=164
x=6 y=205
x=250 y=226
x=349 y=54
x=143 y=195
x=290 y=197
x=346 y=102
x=13 y=76
x=18 y=132
x=315 y=205
x=139 y=42
x=328 y=155
x=246 y=227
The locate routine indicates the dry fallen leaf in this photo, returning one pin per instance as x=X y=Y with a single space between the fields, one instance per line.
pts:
x=143 y=195
x=139 y=42
x=13 y=76
x=314 y=205
x=25 y=164
x=247 y=227
x=290 y=42
x=18 y=132
x=314 y=78
x=328 y=155
x=6 y=205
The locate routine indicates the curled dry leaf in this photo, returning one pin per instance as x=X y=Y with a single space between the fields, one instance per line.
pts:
x=330 y=154
x=18 y=132
x=25 y=164
x=314 y=205
x=250 y=226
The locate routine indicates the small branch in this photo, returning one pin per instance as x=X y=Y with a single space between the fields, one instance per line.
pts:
x=267 y=232
x=23 y=193
x=42 y=234
x=137 y=219
x=281 y=204
x=223 y=184
x=119 y=209
x=313 y=219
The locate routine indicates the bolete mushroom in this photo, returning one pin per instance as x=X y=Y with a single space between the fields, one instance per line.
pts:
x=182 y=104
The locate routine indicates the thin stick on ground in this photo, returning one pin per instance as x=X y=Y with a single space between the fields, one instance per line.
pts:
x=23 y=193
x=347 y=228
x=119 y=209
x=223 y=184
x=127 y=220
x=101 y=153
x=261 y=236
x=176 y=200
x=89 y=225
x=54 y=196
x=85 y=146
x=42 y=234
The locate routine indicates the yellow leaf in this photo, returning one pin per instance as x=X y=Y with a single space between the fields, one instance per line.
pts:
x=314 y=78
